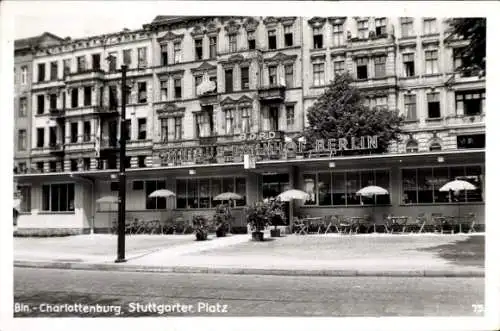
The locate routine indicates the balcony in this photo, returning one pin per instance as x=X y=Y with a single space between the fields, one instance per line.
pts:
x=82 y=146
x=465 y=120
x=272 y=94
x=56 y=149
x=106 y=111
x=208 y=99
x=90 y=74
x=139 y=144
x=57 y=114
x=48 y=84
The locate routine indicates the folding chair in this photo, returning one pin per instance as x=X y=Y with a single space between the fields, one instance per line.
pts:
x=344 y=225
x=472 y=219
x=420 y=222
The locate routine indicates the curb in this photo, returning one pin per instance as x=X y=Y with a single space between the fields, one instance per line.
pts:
x=249 y=271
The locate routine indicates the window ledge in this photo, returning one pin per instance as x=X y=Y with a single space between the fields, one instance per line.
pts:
x=441 y=203
x=410 y=121
x=347 y=206
x=317 y=49
x=56 y=213
x=431 y=75
x=407 y=77
x=436 y=119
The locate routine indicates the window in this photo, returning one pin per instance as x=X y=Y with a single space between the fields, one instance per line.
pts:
x=378 y=102
x=470 y=103
x=288 y=36
x=410 y=101
x=380 y=66
x=317 y=38
x=431 y=62
x=74 y=165
x=228 y=77
x=213 y=47
x=24 y=75
x=113 y=97
x=40 y=103
x=66 y=67
x=412 y=147
x=430 y=25
x=128 y=129
x=178 y=88
x=142 y=128
x=58 y=197
x=271 y=39
x=318 y=74
x=290 y=117
x=164 y=90
x=177 y=52
x=39 y=166
x=74 y=132
x=87 y=95
x=251 y=39
x=164 y=130
x=155 y=203
x=213 y=79
x=142 y=97
x=471 y=141
x=23 y=107
x=245 y=119
x=433 y=105
x=338 y=35
x=362 y=68
x=25 y=195
x=310 y=188
x=380 y=27
x=53 y=70
x=21 y=140
x=406 y=26
x=128 y=162
x=409 y=65
x=338 y=67
x=273 y=118
x=435 y=146
x=273 y=76
x=289 y=75
x=178 y=128
x=86 y=163
x=96 y=61
x=52 y=136
x=74 y=97
x=128 y=94
x=141 y=161
x=86 y=131
x=53 y=101
x=164 y=55
x=81 y=64
x=127 y=57
x=141 y=57
x=199 y=192
x=112 y=61
x=41 y=72
x=363 y=29
x=232 y=43
x=422 y=185
x=245 y=82
x=198 y=49
x=40 y=137
x=229 y=116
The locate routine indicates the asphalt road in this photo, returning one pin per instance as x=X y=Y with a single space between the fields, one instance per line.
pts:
x=70 y=293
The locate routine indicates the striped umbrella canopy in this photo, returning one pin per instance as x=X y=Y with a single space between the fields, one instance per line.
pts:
x=108 y=199
x=228 y=196
x=162 y=194
x=457 y=185
x=372 y=190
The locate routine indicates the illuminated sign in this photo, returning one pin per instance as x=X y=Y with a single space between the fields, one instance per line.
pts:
x=266 y=145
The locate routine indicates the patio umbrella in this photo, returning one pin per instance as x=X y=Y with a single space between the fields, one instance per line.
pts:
x=291 y=195
x=162 y=194
x=108 y=199
x=457 y=186
x=371 y=191
x=228 y=196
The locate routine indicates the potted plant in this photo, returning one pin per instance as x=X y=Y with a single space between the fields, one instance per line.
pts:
x=258 y=218
x=200 y=227
x=221 y=219
x=276 y=217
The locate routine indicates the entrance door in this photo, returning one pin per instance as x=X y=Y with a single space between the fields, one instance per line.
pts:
x=273 y=185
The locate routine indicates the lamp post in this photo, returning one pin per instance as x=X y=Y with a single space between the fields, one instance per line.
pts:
x=122 y=177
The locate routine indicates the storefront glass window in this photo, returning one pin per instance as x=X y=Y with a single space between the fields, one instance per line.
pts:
x=216 y=185
x=324 y=189
x=199 y=192
x=338 y=188
x=382 y=179
x=192 y=194
x=440 y=177
x=473 y=175
x=410 y=186
x=241 y=190
x=204 y=186
x=310 y=188
x=424 y=179
x=352 y=186
x=367 y=179
x=457 y=173
x=155 y=203
x=181 y=193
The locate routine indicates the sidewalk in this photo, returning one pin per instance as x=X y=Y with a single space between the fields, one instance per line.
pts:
x=312 y=255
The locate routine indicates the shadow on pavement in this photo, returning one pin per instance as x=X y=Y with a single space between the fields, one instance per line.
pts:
x=469 y=252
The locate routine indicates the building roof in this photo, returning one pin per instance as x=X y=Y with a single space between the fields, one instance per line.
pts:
x=166 y=20
x=27 y=43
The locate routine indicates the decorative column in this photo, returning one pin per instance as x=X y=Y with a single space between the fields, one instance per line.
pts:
x=67 y=138
x=80 y=131
x=134 y=162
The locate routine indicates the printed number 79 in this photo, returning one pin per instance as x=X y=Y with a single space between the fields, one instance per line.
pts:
x=478 y=308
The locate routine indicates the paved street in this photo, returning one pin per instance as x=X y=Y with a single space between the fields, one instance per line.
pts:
x=243 y=295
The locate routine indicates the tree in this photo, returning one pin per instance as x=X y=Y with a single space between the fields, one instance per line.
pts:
x=340 y=113
x=474 y=30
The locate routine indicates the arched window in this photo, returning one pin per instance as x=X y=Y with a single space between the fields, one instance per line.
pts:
x=435 y=146
x=412 y=147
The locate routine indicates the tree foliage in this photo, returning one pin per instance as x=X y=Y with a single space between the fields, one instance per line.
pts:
x=340 y=113
x=474 y=30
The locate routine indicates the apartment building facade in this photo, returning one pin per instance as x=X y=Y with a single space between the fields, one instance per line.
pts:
x=205 y=91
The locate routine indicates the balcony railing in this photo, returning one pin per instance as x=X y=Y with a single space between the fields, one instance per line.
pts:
x=272 y=93
x=88 y=74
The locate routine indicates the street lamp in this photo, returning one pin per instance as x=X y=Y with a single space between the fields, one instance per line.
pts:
x=122 y=179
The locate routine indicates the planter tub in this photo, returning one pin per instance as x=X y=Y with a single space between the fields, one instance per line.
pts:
x=258 y=236
x=201 y=235
x=275 y=233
